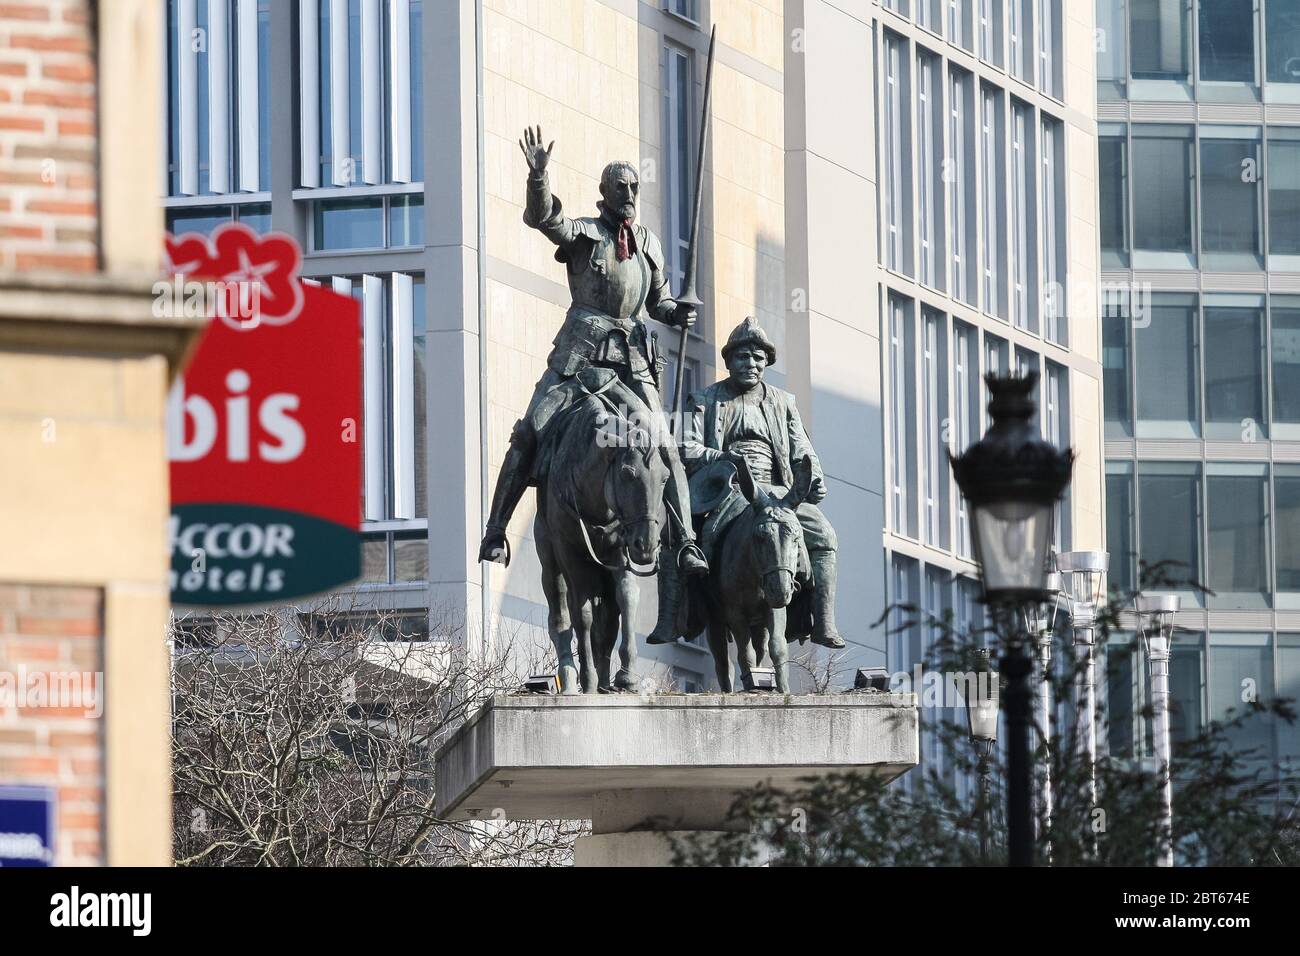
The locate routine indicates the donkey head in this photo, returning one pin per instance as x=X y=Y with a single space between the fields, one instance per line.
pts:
x=635 y=493
x=776 y=538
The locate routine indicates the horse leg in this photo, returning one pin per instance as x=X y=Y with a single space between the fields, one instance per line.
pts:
x=628 y=597
x=717 y=631
x=778 y=649
x=557 y=616
x=581 y=613
x=604 y=633
x=739 y=624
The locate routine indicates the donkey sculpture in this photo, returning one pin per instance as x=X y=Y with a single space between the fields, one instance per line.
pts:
x=760 y=564
x=598 y=528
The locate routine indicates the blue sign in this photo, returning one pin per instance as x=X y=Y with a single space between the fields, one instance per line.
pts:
x=26 y=826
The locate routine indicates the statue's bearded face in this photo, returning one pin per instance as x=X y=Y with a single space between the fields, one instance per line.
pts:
x=746 y=366
x=620 y=193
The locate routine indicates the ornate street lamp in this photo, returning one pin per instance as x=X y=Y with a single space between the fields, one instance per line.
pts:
x=981 y=692
x=1156 y=624
x=1012 y=479
x=1083 y=575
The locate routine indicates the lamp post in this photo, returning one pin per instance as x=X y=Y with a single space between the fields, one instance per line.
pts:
x=1083 y=575
x=1012 y=479
x=1040 y=622
x=1156 y=624
x=982 y=718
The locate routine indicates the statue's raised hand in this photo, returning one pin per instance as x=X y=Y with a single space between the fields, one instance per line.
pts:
x=538 y=156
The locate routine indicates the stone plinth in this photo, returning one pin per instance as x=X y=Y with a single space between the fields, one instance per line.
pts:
x=635 y=765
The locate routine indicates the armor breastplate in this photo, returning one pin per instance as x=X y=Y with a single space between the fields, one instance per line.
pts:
x=617 y=289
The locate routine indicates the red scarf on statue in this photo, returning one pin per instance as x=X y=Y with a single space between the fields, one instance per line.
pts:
x=626 y=241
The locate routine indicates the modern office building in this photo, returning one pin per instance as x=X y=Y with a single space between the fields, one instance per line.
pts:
x=1199 y=163
x=987 y=263
x=903 y=195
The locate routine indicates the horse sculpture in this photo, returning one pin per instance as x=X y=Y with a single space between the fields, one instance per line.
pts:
x=598 y=529
x=761 y=563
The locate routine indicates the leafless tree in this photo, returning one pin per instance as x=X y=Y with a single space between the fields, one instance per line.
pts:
x=306 y=738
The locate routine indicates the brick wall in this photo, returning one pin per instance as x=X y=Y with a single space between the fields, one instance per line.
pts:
x=50 y=660
x=48 y=211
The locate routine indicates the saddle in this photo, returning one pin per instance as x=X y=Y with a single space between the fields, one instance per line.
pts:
x=590 y=380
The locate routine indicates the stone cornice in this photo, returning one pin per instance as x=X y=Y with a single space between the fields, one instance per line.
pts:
x=94 y=313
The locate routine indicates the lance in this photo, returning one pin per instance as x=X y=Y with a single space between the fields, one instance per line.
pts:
x=688 y=295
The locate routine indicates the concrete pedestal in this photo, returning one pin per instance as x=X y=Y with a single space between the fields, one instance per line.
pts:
x=642 y=768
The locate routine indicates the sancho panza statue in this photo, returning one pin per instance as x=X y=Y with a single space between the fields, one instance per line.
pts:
x=615 y=268
x=743 y=417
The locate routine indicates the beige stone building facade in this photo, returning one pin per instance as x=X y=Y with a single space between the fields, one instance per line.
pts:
x=902 y=192
x=84 y=370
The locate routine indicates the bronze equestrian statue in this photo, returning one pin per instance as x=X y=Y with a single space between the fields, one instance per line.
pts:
x=598 y=528
x=615 y=268
x=743 y=418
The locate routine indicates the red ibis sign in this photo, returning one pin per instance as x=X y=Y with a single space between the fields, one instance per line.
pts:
x=263 y=427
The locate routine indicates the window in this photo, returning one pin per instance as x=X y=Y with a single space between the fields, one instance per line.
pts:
x=1235 y=372
x=205 y=219
x=1237 y=518
x=1051 y=210
x=1120 y=519
x=959 y=25
x=905 y=588
x=1159 y=49
x=1020 y=39
x=1227 y=41
x=929 y=14
x=990 y=31
x=1186 y=686
x=368 y=223
x=1165 y=346
x=1024 y=247
x=966 y=414
x=1169 y=540
x=218 y=111
x=1116 y=372
x=395 y=557
x=1112 y=169
x=930 y=174
x=1288 y=688
x=959 y=172
x=1056 y=429
x=1286 y=502
x=897 y=157
x=360 y=96
x=1049 y=45
x=1163 y=172
x=395 y=426
x=678 y=194
x=1282 y=174
x=1124 y=693
x=1241 y=669
x=686 y=9
x=1285 y=314
x=1112 y=66
x=1282 y=50
x=1230 y=198
x=934 y=418
x=902 y=413
x=993 y=199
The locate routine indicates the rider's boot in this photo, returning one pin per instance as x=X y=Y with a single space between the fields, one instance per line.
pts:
x=823 y=572
x=512 y=482
x=666 y=630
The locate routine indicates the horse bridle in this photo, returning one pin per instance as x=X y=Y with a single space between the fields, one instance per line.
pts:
x=794 y=572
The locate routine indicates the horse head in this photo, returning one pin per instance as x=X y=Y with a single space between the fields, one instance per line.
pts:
x=634 y=491
x=776 y=537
